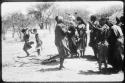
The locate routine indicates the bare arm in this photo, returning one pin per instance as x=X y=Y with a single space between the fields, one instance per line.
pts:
x=95 y=27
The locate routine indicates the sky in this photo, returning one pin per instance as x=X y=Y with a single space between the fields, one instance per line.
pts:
x=10 y=7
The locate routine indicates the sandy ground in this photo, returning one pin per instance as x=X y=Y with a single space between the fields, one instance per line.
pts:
x=31 y=69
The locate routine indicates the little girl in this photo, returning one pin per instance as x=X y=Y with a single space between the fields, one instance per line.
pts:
x=27 y=44
x=38 y=42
x=81 y=43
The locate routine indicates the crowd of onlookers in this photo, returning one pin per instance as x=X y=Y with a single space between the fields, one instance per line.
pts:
x=106 y=39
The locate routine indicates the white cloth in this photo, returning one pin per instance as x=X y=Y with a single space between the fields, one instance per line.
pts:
x=81 y=26
x=117 y=30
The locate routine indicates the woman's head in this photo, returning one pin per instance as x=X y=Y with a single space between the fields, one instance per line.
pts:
x=80 y=20
x=93 y=18
x=24 y=30
x=109 y=23
x=102 y=21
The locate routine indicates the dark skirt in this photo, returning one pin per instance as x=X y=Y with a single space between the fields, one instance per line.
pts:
x=114 y=56
x=81 y=44
x=27 y=45
x=72 y=45
x=39 y=44
x=61 y=48
x=103 y=50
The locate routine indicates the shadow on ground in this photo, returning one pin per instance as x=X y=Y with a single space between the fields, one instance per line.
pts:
x=50 y=62
x=90 y=58
x=49 y=69
x=104 y=71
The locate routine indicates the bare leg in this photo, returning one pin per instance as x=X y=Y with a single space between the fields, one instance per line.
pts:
x=25 y=50
x=83 y=52
x=105 y=63
x=80 y=53
x=100 y=64
x=61 y=63
x=38 y=52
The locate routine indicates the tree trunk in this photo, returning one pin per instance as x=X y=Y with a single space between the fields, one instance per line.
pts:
x=3 y=36
x=13 y=32
x=20 y=36
x=49 y=27
x=46 y=25
x=41 y=25
x=4 y=31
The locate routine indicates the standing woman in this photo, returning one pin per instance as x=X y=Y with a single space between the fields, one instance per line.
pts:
x=116 y=41
x=60 y=35
x=82 y=37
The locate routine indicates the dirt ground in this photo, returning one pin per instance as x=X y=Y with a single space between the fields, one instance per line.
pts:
x=31 y=68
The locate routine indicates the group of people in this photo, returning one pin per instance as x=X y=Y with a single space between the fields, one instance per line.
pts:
x=106 y=39
x=70 y=37
x=28 y=44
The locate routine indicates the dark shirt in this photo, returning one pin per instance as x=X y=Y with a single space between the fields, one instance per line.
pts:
x=72 y=30
x=26 y=37
x=94 y=34
x=104 y=33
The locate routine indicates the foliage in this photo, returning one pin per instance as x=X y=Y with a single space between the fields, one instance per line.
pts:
x=6 y=23
x=107 y=12
x=42 y=13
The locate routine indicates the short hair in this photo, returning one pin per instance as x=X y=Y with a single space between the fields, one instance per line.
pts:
x=103 y=19
x=80 y=19
x=75 y=13
x=93 y=17
x=23 y=30
x=59 y=19
x=34 y=30
x=27 y=36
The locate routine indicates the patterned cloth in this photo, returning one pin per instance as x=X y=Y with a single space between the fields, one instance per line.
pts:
x=103 y=50
x=82 y=37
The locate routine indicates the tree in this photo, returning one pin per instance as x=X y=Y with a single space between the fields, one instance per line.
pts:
x=40 y=13
x=6 y=24
x=107 y=12
x=84 y=14
x=19 y=21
